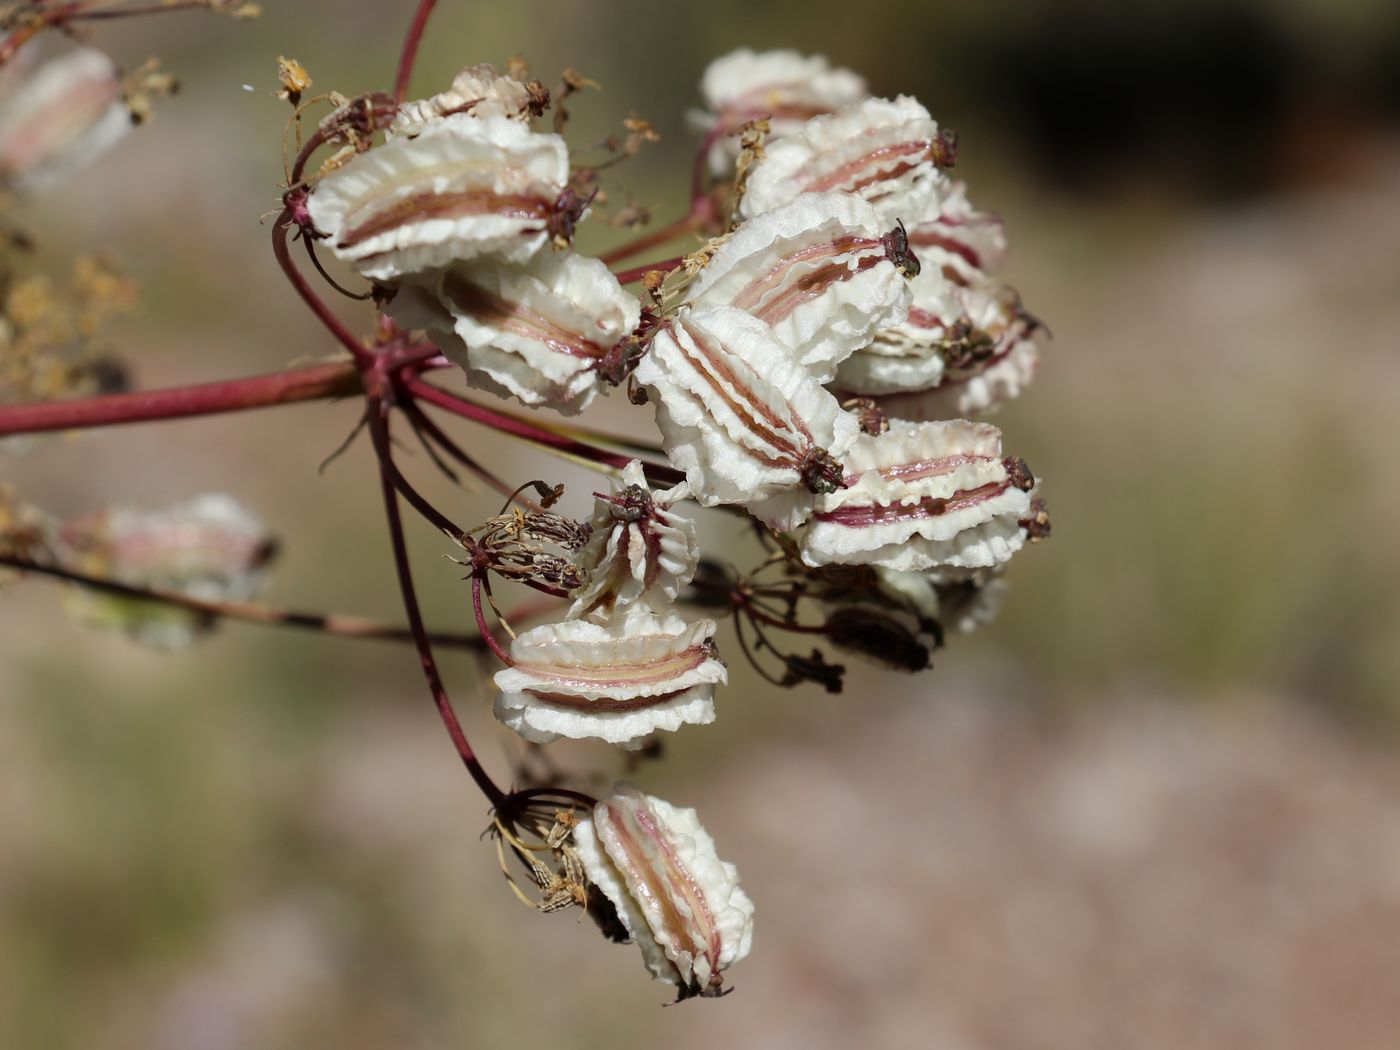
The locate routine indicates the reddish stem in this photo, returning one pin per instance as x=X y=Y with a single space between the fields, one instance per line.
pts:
x=143 y=9
x=434 y=433
x=702 y=160
x=312 y=383
x=762 y=617
x=39 y=22
x=73 y=12
x=686 y=224
x=536 y=435
x=362 y=354
x=411 y=40
x=483 y=626
x=638 y=272
x=336 y=625
x=424 y=644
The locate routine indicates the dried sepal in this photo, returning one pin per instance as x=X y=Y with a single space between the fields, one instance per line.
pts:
x=819 y=272
x=746 y=422
x=464 y=187
x=293 y=80
x=539 y=331
x=890 y=152
x=524 y=546
x=536 y=827
x=923 y=495
x=680 y=903
x=640 y=551
x=618 y=681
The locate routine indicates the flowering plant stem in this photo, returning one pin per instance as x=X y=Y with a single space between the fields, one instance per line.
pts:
x=409 y=54
x=698 y=216
x=336 y=625
x=332 y=379
x=424 y=643
x=35 y=22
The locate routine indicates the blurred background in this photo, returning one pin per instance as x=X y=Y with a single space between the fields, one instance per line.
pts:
x=1152 y=806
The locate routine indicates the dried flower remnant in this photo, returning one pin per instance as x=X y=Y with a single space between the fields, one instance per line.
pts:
x=640 y=551
x=209 y=547
x=891 y=152
x=61 y=117
x=462 y=188
x=785 y=87
x=618 y=682
x=744 y=420
x=820 y=272
x=924 y=495
x=681 y=904
x=293 y=79
x=536 y=826
x=515 y=546
x=539 y=331
x=479 y=91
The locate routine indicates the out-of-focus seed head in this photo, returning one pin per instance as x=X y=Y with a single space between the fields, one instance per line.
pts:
x=209 y=547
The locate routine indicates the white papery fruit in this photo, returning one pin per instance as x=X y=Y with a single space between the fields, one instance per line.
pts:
x=60 y=117
x=913 y=354
x=962 y=350
x=462 y=188
x=477 y=90
x=209 y=547
x=746 y=422
x=1005 y=376
x=820 y=272
x=785 y=87
x=680 y=903
x=888 y=151
x=924 y=495
x=640 y=552
x=619 y=681
x=537 y=331
x=970 y=243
